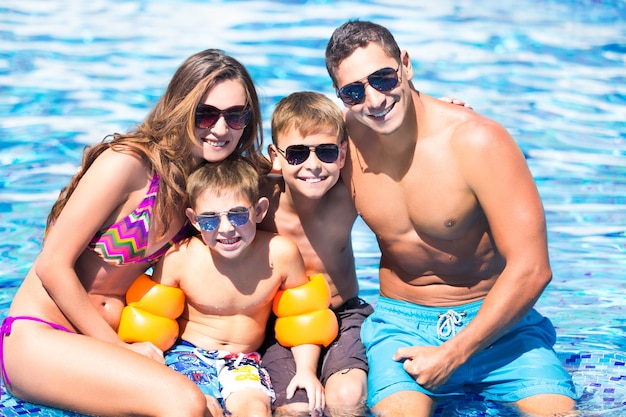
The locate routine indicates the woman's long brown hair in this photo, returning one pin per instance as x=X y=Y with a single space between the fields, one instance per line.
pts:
x=165 y=139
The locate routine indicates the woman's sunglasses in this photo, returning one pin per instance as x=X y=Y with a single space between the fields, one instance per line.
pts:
x=236 y=117
x=384 y=79
x=297 y=154
x=237 y=216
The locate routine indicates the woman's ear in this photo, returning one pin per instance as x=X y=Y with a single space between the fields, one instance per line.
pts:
x=260 y=209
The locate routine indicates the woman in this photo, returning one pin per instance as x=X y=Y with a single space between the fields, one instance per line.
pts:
x=118 y=215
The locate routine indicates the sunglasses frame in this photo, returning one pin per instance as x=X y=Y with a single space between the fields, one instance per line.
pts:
x=204 y=220
x=351 y=101
x=322 y=147
x=234 y=116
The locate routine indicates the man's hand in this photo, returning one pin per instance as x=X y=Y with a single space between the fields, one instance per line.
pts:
x=430 y=366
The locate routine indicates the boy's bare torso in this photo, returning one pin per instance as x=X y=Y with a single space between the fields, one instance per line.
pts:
x=322 y=231
x=228 y=304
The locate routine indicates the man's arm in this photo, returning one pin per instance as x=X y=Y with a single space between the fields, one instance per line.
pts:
x=496 y=171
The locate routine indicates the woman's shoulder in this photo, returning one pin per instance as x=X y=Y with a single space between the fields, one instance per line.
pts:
x=121 y=166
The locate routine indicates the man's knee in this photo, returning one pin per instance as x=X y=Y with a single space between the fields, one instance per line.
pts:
x=405 y=403
x=547 y=405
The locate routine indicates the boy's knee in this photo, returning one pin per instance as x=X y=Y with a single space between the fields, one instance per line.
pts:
x=346 y=395
x=347 y=388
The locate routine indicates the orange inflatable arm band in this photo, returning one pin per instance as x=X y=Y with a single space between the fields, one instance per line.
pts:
x=151 y=313
x=304 y=316
x=313 y=295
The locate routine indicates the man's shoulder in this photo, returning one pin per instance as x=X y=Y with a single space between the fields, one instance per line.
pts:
x=476 y=130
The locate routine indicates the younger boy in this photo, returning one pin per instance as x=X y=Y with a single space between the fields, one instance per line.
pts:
x=230 y=276
x=312 y=208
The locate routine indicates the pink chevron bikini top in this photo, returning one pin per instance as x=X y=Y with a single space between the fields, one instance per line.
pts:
x=126 y=241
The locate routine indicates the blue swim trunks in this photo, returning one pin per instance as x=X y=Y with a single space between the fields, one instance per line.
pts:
x=520 y=364
x=218 y=373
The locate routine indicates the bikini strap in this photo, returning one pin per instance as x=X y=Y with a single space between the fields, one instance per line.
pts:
x=5 y=329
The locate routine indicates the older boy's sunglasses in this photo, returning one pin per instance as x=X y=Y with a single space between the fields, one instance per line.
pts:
x=384 y=79
x=237 y=216
x=236 y=117
x=297 y=154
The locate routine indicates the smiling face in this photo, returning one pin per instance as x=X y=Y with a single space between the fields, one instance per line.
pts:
x=381 y=111
x=228 y=240
x=220 y=140
x=314 y=177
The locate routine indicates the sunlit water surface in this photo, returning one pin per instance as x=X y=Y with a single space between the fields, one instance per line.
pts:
x=552 y=72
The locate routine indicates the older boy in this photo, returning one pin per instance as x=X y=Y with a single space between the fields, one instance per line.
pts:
x=230 y=276
x=311 y=207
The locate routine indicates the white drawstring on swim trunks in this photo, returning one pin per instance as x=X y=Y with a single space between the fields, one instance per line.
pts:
x=446 y=325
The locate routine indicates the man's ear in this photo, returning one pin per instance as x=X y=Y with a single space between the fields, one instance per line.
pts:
x=273 y=154
x=260 y=209
x=191 y=215
x=406 y=63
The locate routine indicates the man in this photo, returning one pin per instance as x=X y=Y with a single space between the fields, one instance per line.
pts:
x=462 y=234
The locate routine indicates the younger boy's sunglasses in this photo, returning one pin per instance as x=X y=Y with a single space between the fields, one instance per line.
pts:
x=237 y=216
x=384 y=79
x=236 y=117
x=297 y=154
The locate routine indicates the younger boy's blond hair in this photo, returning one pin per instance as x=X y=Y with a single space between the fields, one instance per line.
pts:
x=231 y=174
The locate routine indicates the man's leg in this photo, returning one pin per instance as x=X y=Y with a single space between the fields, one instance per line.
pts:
x=405 y=403
x=547 y=405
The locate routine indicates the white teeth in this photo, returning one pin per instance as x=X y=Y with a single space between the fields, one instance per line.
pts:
x=384 y=112
x=313 y=180
x=229 y=241
x=215 y=143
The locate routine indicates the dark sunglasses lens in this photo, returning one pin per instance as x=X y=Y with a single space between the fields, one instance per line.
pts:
x=297 y=154
x=327 y=153
x=208 y=222
x=238 y=216
x=352 y=93
x=384 y=80
x=237 y=119
x=206 y=118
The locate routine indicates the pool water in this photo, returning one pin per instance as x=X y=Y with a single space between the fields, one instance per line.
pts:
x=552 y=72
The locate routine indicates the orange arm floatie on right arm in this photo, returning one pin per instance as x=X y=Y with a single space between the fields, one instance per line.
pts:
x=303 y=316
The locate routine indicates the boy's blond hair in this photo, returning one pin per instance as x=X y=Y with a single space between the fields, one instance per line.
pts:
x=231 y=174
x=308 y=112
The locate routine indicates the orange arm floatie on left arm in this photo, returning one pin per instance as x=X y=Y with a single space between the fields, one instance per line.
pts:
x=151 y=312
x=303 y=316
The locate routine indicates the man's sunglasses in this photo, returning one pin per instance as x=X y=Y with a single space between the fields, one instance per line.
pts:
x=297 y=154
x=384 y=79
x=237 y=216
x=236 y=117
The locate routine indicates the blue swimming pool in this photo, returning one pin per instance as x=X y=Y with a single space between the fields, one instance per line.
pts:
x=552 y=72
